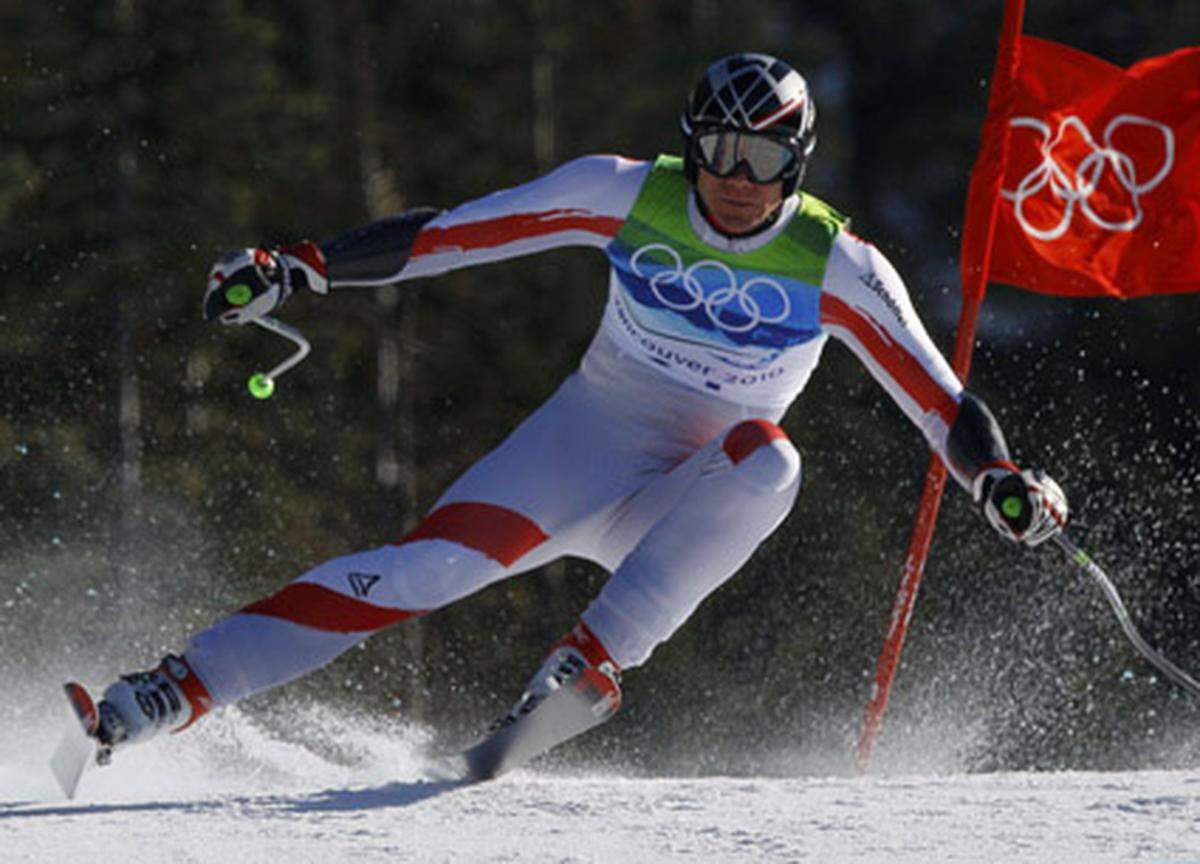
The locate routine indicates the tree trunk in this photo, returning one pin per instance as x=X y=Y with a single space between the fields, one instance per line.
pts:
x=127 y=443
x=394 y=451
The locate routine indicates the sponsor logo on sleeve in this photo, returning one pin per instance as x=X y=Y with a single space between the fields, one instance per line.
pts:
x=872 y=281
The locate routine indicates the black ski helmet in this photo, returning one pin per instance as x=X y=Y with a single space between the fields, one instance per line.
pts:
x=752 y=93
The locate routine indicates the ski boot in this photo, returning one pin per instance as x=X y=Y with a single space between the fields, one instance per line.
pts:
x=577 y=688
x=139 y=706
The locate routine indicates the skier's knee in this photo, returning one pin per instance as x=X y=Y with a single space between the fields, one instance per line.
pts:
x=763 y=455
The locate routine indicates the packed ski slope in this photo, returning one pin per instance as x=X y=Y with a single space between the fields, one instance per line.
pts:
x=232 y=792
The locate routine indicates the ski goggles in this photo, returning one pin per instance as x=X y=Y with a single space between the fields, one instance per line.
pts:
x=720 y=152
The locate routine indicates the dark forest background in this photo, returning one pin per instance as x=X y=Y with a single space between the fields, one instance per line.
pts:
x=143 y=493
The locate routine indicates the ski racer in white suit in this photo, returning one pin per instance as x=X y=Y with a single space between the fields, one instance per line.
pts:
x=660 y=457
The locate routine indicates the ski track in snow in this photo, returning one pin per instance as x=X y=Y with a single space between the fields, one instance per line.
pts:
x=231 y=792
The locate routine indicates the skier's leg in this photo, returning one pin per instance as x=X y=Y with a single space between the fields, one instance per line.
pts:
x=516 y=509
x=456 y=550
x=677 y=540
x=719 y=506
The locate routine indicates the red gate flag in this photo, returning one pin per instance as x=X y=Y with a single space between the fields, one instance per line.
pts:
x=1101 y=188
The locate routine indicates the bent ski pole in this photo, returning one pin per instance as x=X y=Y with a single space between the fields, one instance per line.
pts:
x=1184 y=680
x=262 y=384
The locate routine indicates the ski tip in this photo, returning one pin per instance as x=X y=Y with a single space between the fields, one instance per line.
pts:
x=85 y=707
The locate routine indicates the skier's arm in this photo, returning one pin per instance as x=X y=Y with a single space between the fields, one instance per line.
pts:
x=582 y=203
x=865 y=304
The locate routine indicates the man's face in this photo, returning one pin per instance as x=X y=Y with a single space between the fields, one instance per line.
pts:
x=736 y=204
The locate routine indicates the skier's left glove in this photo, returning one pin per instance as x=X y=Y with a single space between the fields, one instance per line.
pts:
x=249 y=283
x=1023 y=506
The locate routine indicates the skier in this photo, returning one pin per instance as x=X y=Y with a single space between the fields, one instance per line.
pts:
x=660 y=457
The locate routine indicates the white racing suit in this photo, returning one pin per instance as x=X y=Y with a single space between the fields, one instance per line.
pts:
x=660 y=458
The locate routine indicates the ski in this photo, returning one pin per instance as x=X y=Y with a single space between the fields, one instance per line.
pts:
x=79 y=746
x=583 y=702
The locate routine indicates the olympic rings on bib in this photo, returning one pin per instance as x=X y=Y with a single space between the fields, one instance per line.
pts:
x=728 y=299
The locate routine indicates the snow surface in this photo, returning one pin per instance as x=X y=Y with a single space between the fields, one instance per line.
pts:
x=231 y=791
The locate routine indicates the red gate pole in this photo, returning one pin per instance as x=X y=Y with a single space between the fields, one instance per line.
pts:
x=914 y=568
x=986 y=179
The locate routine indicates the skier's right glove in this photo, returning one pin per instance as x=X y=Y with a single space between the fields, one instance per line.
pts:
x=1023 y=506
x=249 y=283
